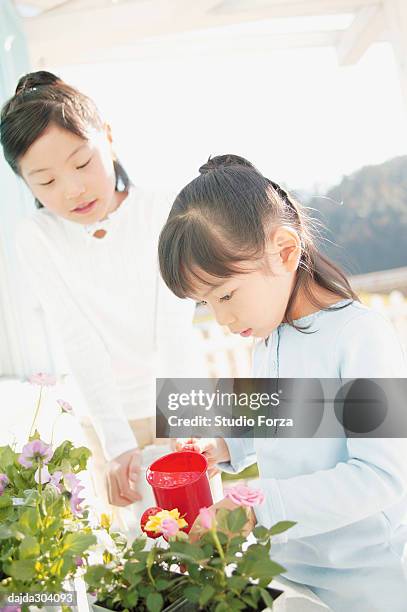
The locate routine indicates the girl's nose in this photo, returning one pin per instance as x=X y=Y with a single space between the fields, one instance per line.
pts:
x=74 y=190
x=224 y=318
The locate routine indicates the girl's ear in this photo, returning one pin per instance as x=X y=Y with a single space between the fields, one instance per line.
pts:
x=284 y=250
x=109 y=136
x=108 y=132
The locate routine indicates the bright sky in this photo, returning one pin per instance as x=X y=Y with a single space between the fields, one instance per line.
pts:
x=296 y=114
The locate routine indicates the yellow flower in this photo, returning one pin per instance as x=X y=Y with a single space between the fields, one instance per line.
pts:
x=154 y=522
x=105 y=521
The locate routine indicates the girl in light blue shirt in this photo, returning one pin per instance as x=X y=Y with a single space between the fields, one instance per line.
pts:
x=241 y=244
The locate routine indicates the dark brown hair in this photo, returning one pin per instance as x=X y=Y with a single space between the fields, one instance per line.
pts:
x=42 y=98
x=223 y=217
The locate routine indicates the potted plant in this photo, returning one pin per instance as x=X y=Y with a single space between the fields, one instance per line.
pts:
x=45 y=533
x=221 y=572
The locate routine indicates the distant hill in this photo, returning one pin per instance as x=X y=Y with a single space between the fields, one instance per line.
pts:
x=370 y=227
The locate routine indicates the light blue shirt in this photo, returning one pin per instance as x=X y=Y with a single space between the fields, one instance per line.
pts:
x=347 y=495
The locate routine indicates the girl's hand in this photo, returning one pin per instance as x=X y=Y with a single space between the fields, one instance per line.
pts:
x=197 y=530
x=214 y=449
x=122 y=476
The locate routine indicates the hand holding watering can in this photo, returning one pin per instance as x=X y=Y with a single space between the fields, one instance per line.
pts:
x=214 y=449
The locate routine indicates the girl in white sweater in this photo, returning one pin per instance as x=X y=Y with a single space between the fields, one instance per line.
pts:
x=90 y=252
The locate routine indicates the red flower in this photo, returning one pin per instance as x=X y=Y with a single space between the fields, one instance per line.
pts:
x=144 y=520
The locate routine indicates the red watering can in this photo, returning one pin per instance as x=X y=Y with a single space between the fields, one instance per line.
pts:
x=179 y=480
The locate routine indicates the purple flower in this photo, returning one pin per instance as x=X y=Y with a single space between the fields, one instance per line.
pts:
x=76 y=488
x=79 y=561
x=65 y=406
x=43 y=380
x=33 y=452
x=10 y=609
x=3 y=483
x=76 y=501
x=55 y=480
x=72 y=481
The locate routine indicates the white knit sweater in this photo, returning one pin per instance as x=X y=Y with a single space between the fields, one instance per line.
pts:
x=119 y=324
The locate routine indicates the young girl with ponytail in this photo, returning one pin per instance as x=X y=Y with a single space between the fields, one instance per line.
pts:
x=241 y=244
x=90 y=252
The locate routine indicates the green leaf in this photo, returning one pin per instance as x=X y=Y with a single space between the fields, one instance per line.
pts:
x=30 y=521
x=237 y=582
x=79 y=458
x=222 y=607
x=267 y=598
x=188 y=550
x=21 y=478
x=236 y=520
x=150 y=558
x=281 y=527
x=22 y=569
x=207 y=592
x=77 y=543
x=208 y=549
x=7 y=457
x=29 y=548
x=63 y=451
x=222 y=519
x=5 y=513
x=260 y=532
x=154 y=602
x=256 y=551
x=95 y=574
x=194 y=571
x=237 y=541
x=130 y=599
x=162 y=584
x=129 y=574
x=139 y=566
x=192 y=593
x=5 y=500
x=138 y=544
x=264 y=569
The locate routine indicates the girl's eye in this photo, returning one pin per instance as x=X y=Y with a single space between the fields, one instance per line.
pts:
x=49 y=183
x=226 y=298
x=83 y=165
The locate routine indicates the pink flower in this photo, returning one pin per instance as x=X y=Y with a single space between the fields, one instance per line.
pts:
x=76 y=488
x=72 y=481
x=244 y=496
x=43 y=380
x=206 y=517
x=3 y=483
x=75 y=501
x=169 y=527
x=65 y=406
x=45 y=475
x=55 y=480
x=33 y=452
x=79 y=561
